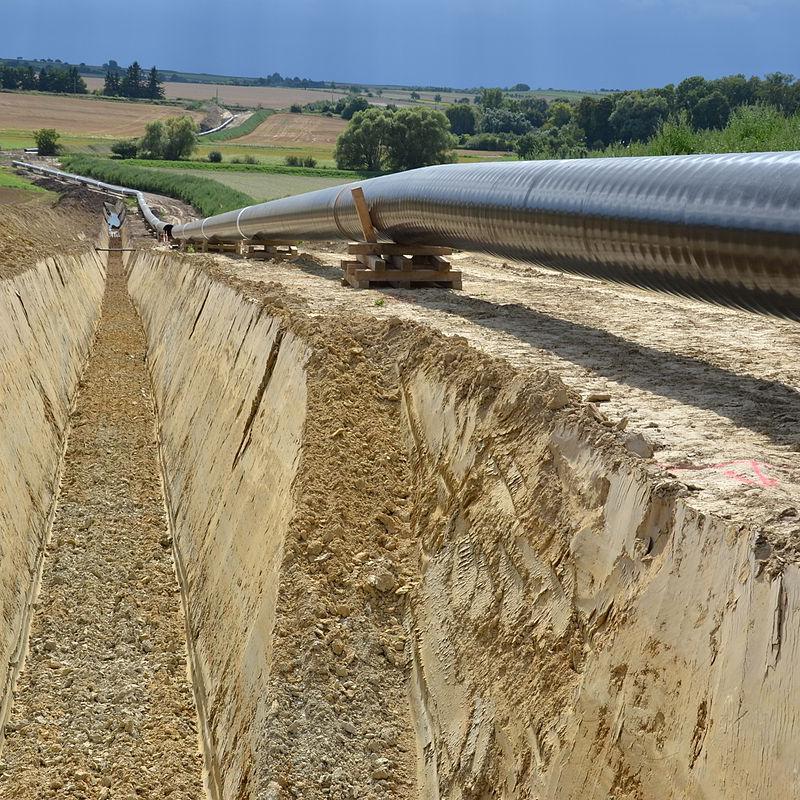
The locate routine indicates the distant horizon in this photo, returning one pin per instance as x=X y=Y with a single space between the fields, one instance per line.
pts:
x=400 y=85
x=576 y=45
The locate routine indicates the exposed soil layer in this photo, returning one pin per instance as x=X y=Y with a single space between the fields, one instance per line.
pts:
x=104 y=707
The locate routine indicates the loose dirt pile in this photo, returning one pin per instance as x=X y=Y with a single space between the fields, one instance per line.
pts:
x=104 y=707
x=34 y=226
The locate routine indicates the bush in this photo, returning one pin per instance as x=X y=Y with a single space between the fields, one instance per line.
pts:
x=125 y=148
x=47 y=141
x=293 y=161
x=296 y=108
x=250 y=160
x=215 y=157
x=310 y=162
x=489 y=141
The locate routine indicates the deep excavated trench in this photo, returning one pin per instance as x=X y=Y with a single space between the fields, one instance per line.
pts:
x=409 y=569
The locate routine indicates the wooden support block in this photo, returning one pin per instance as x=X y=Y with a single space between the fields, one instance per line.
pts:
x=392 y=248
x=362 y=209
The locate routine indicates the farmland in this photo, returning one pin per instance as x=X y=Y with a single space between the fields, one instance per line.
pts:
x=249 y=96
x=296 y=129
x=80 y=115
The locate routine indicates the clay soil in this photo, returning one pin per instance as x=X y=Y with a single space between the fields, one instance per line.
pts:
x=104 y=707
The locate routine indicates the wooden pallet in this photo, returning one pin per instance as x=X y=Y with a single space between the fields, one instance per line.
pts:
x=270 y=250
x=407 y=266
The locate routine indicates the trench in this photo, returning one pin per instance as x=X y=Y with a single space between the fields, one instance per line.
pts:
x=405 y=569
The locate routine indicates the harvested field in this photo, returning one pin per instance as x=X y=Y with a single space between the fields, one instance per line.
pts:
x=296 y=129
x=80 y=115
x=252 y=96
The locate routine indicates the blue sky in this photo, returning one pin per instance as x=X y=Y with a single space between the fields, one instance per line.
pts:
x=560 y=43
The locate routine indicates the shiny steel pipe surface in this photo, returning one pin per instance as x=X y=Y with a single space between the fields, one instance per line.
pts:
x=723 y=228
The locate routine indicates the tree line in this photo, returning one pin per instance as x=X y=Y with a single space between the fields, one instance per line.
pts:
x=535 y=128
x=47 y=79
x=133 y=82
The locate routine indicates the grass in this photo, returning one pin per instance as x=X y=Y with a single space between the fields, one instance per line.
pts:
x=209 y=197
x=271 y=169
x=235 y=131
x=268 y=186
x=10 y=180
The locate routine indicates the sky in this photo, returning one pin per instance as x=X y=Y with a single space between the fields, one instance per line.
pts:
x=566 y=44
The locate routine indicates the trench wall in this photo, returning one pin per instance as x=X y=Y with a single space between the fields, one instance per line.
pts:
x=230 y=389
x=579 y=630
x=48 y=315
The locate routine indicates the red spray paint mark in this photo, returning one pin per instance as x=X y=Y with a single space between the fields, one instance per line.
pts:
x=746 y=471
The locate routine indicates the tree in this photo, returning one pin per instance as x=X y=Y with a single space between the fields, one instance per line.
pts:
x=111 y=87
x=47 y=141
x=415 y=96
x=352 y=106
x=504 y=120
x=365 y=143
x=181 y=137
x=535 y=110
x=462 y=119
x=153 y=143
x=125 y=148
x=592 y=115
x=520 y=87
x=559 y=114
x=215 y=157
x=155 y=88
x=132 y=83
x=563 y=142
x=637 y=116
x=712 y=111
x=437 y=98
x=491 y=98
x=419 y=137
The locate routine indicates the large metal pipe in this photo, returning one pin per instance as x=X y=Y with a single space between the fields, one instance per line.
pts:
x=723 y=228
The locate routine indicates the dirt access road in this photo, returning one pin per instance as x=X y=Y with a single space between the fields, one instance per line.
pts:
x=710 y=393
x=104 y=707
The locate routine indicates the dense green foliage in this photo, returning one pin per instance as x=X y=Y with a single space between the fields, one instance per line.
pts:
x=570 y=129
x=384 y=138
x=170 y=139
x=47 y=141
x=750 y=129
x=215 y=157
x=207 y=196
x=235 y=131
x=47 y=79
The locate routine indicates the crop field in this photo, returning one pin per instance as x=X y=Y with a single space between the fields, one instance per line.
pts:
x=296 y=129
x=264 y=187
x=251 y=96
x=79 y=115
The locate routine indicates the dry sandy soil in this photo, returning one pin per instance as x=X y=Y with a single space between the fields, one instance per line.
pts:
x=268 y=97
x=79 y=115
x=290 y=129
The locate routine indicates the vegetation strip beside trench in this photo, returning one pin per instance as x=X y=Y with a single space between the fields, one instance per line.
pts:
x=208 y=196
x=270 y=169
x=235 y=131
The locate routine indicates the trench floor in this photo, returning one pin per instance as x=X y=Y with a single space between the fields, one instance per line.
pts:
x=104 y=705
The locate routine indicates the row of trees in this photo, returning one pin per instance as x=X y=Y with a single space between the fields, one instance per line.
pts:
x=134 y=83
x=47 y=79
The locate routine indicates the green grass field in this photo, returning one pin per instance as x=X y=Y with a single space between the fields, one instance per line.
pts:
x=10 y=180
x=265 y=186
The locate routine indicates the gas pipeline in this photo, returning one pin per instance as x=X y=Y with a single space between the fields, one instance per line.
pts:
x=721 y=228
